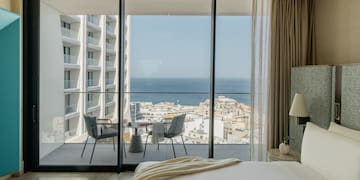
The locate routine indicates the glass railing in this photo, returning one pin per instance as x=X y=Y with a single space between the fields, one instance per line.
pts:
x=91 y=104
x=92 y=20
x=70 y=108
x=69 y=33
x=93 y=41
x=109 y=64
x=92 y=62
x=109 y=98
x=69 y=84
x=109 y=29
x=109 y=81
x=70 y=59
x=91 y=83
x=109 y=46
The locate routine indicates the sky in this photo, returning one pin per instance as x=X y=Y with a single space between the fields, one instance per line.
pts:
x=179 y=47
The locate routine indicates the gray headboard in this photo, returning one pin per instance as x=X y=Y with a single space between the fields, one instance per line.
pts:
x=317 y=85
x=350 y=96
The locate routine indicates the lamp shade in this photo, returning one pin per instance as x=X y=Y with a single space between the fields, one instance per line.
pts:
x=298 y=106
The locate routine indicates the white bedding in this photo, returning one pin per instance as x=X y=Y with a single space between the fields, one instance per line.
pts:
x=278 y=170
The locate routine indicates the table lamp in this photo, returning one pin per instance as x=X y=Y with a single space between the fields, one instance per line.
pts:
x=298 y=109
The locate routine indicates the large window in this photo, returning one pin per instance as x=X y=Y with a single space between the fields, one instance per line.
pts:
x=159 y=76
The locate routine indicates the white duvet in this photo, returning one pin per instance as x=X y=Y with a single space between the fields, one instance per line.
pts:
x=279 y=170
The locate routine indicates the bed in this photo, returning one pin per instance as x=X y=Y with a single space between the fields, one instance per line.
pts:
x=325 y=155
x=332 y=153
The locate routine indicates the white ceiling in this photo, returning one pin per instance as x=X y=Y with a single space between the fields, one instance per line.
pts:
x=151 y=7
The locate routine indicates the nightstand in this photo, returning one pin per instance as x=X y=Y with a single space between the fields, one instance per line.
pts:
x=274 y=155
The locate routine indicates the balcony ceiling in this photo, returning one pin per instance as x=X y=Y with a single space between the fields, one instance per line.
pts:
x=151 y=7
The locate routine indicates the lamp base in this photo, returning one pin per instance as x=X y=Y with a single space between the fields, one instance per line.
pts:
x=303 y=120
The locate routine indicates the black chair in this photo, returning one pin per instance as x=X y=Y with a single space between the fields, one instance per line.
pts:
x=107 y=130
x=176 y=129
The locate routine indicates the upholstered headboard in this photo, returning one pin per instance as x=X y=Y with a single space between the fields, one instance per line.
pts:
x=317 y=85
x=350 y=96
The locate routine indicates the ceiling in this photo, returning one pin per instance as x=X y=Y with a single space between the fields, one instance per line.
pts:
x=151 y=7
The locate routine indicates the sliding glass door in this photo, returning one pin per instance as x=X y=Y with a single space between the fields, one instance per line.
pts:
x=78 y=85
x=232 y=80
x=166 y=79
x=123 y=82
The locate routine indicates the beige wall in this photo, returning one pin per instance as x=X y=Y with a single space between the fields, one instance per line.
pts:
x=12 y=5
x=5 y=4
x=338 y=31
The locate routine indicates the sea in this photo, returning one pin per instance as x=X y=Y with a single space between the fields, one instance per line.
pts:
x=187 y=91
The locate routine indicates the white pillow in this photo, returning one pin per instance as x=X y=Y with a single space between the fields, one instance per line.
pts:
x=334 y=156
x=347 y=132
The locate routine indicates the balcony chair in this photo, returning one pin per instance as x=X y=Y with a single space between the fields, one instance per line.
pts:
x=176 y=129
x=107 y=130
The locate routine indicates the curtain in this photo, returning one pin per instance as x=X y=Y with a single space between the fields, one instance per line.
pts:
x=292 y=44
x=259 y=78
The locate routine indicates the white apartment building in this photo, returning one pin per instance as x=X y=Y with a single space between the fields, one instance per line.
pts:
x=91 y=72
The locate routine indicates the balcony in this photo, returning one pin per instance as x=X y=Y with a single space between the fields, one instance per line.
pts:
x=70 y=108
x=70 y=84
x=93 y=43
x=90 y=104
x=110 y=30
x=93 y=64
x=70 y=37
x=110 y=48
x=109 y=98
x=69 y=33
x=109 y=83
x=93 y=23
x=71 y=62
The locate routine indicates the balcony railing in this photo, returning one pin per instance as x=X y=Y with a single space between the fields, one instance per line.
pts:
x=70 y=59
x=69 y=84
x=69 y=33
x=91 y=83
x=109 y=29
x=109 y=64
x=109 y=81
x=92 y=62
x=93 y=41
x=93 y=20
x=91 y=103
x=109 y=98
x=109 y=46
x=70 y=108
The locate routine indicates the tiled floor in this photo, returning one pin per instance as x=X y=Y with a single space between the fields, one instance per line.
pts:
x=76 y=176
x=70 y=154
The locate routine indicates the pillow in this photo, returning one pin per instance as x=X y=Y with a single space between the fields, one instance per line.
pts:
x=331 y=155
x=347 y=132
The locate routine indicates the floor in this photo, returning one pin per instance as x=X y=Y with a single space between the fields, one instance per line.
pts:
x=70 y=154
x=76 y=176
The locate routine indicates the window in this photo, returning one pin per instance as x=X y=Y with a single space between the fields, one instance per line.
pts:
x=90 y=54
x=66 y=25
x=90 y=78
x=91 y=34
x=67 y=75
x=67 y=50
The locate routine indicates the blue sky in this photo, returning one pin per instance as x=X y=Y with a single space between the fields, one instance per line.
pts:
x=179 y=46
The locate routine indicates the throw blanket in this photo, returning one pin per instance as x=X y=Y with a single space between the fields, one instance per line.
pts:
x=181 y=166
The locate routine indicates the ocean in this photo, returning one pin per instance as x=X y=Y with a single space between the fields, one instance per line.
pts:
x=187 y=91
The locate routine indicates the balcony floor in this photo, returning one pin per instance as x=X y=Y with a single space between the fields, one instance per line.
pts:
x=69 y=154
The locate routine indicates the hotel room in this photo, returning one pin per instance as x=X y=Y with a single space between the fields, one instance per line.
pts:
x=102 y=89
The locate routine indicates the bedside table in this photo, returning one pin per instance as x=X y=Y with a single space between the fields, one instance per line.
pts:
x=274 y=155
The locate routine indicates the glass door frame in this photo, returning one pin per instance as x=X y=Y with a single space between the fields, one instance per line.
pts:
x=30 y=93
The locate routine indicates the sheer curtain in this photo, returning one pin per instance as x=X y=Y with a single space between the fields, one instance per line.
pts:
x=259 y=79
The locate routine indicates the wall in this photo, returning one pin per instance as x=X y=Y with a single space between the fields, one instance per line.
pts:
x=337 y=31
x=10 y=93
x=317 y=85
x=52 y=100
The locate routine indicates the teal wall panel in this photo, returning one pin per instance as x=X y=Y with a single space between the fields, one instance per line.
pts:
x=9 y=92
